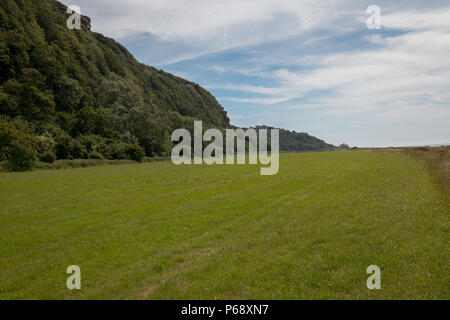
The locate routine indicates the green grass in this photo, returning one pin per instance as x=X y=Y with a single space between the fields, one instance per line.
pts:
x=437 y=161
x=157 y=231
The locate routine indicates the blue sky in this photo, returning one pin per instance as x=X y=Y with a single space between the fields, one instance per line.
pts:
x=306 y=65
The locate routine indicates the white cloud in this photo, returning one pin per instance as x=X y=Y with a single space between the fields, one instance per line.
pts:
x=263 y=100
x=403 y=82
x=211 y=26
x=181 y=19
x=436 y=19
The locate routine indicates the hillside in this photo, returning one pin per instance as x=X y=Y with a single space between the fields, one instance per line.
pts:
x=70 y=94
x=75 y=93
x=299 y=141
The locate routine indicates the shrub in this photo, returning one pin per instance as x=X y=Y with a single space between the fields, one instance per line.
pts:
x=16 y=148
x=62 y=147
x=77 y=150
x=90 y=142
x=135 y=153
x=21 y=156
x=45 y=146
x=95 y=155
x=68 y=148
x=48 y=157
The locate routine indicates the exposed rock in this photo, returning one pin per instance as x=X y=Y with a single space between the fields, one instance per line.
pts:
x=85 y=21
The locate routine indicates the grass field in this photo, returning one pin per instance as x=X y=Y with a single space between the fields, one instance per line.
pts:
x=157 y=231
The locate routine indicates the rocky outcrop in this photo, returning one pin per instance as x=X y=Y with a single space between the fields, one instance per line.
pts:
x=85 y=21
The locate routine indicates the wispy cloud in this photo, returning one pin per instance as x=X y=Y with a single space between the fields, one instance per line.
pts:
x=207 y=26
x=257 y=100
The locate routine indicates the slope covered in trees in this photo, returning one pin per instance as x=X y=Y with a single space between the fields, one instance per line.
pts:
x=299 y=141
x=77 y=94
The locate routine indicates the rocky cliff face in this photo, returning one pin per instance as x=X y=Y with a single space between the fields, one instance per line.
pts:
x=85 y=21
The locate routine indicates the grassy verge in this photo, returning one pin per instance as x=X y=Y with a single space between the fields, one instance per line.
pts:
x=437 y=161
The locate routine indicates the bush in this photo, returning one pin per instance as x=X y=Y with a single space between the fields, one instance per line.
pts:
x=22 y=156
x=77 y=150
x=48 y=157
x=62 y=147
x=135 y=152
x=118 y=150
x=95 y=155
x=90 y=142
x=68 y=148
x=45 y=146
x=16 y=148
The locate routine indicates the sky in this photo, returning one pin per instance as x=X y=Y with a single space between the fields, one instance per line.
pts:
x=305 y=65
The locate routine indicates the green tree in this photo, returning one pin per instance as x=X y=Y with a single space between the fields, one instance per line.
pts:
x=16 y=148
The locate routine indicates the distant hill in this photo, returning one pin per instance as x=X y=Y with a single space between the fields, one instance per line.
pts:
x=67 y=94
x=299 y=141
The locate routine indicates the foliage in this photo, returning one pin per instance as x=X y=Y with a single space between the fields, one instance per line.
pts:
x=81 y=95
x=17 y=148
x=299 y=141
x=344 y=146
